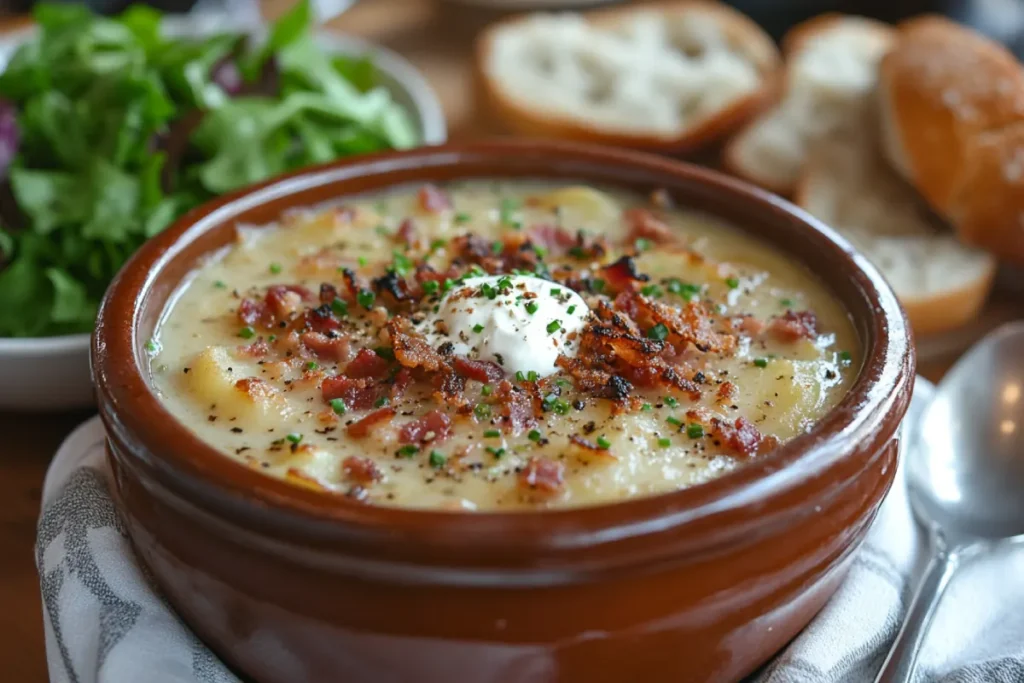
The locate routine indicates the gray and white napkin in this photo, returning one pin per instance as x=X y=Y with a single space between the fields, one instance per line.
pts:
x=106 y=623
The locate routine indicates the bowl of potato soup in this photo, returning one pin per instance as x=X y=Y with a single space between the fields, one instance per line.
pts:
x=500 y=412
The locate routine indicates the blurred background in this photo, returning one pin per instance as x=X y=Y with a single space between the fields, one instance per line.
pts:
x=1000 y=19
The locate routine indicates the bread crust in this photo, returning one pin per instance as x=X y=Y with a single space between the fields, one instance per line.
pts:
x=938 y=312
x=526 y=121
x=793 y=43
x=952 y=112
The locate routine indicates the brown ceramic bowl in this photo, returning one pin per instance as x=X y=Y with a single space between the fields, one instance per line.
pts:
x=291 y=585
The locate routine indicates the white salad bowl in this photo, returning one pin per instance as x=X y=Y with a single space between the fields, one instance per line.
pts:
x=45 y=374
x=52 y=373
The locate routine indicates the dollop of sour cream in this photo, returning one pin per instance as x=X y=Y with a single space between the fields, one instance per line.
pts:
x=522 y=323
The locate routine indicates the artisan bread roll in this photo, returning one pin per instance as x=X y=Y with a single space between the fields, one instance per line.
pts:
x=675 y=76
x=941 y=283
x=830 y=79
x=952 y=110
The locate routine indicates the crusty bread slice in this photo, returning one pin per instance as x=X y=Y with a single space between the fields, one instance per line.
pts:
x=952 y=114
x=830 y=78
x=670 y=77
x=941 y=283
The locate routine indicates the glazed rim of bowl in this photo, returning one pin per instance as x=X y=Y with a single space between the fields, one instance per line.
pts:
x=601 y=537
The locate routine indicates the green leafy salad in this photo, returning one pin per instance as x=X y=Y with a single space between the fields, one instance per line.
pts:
x=109 y=130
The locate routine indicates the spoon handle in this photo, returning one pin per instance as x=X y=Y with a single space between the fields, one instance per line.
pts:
x=899 y=664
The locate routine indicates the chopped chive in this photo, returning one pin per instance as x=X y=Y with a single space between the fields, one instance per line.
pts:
x=531 y=307
x=786 y=302
x=534 y=435
x=506 y=209
x=478 y=328
x=646 y=406
x=553 y=326
x=671 y=402
x=365 y=298
x=531 y=376
x=407 y=451
x=541 y=252
x=732 y=282
x=430 y=287
x=275 y=268
x=664 y=442
x=845 y=356
x=312 y=365
x=362 y=260
x=482 y=411
x=520 y=376
x=497 y=247
x=761 y=362
x=685 y=290
x=272 y=338
x=572 y=309
x=462 y=217
x=562 y=382
x=220 y=284
x=151 y=346
x=556 y=292
x=694 y=430
x=294 y=438
x=381 y=402
x=400 y=263
x=338 y=406
x=437 y=459
x=496 y=452
x=561 y=407
x=247 y=332
x=652 y=290
x=447 y=284
x=492 y=434
x=641 y=244
x=659 y=332
x=486 y=390
x=339 y=307
x=437 y=244
x=597 y=285
x=504 y=283
x=673 y=421
x=603 y=443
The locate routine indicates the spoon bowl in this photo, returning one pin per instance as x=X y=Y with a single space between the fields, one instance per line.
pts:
x=966 y=473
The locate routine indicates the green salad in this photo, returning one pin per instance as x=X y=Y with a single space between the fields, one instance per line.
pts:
x=109 y=130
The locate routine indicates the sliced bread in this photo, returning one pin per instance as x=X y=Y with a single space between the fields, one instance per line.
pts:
x=941 y=283
x=829 y=82
x=952 y=113
x=669 y=77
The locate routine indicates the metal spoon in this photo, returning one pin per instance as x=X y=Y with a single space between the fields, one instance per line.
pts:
x=965 y=474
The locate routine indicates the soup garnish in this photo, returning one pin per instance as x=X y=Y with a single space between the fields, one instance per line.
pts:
x=501 y=345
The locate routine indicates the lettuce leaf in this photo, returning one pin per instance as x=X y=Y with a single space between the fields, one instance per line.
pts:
x=121 y=129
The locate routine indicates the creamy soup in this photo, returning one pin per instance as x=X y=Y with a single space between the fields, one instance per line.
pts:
x=493 y=345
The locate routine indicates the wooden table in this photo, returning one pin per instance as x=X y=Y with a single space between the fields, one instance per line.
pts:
x=434 y=36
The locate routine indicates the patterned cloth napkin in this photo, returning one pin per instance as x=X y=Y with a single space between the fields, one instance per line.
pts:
x=106 y=622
